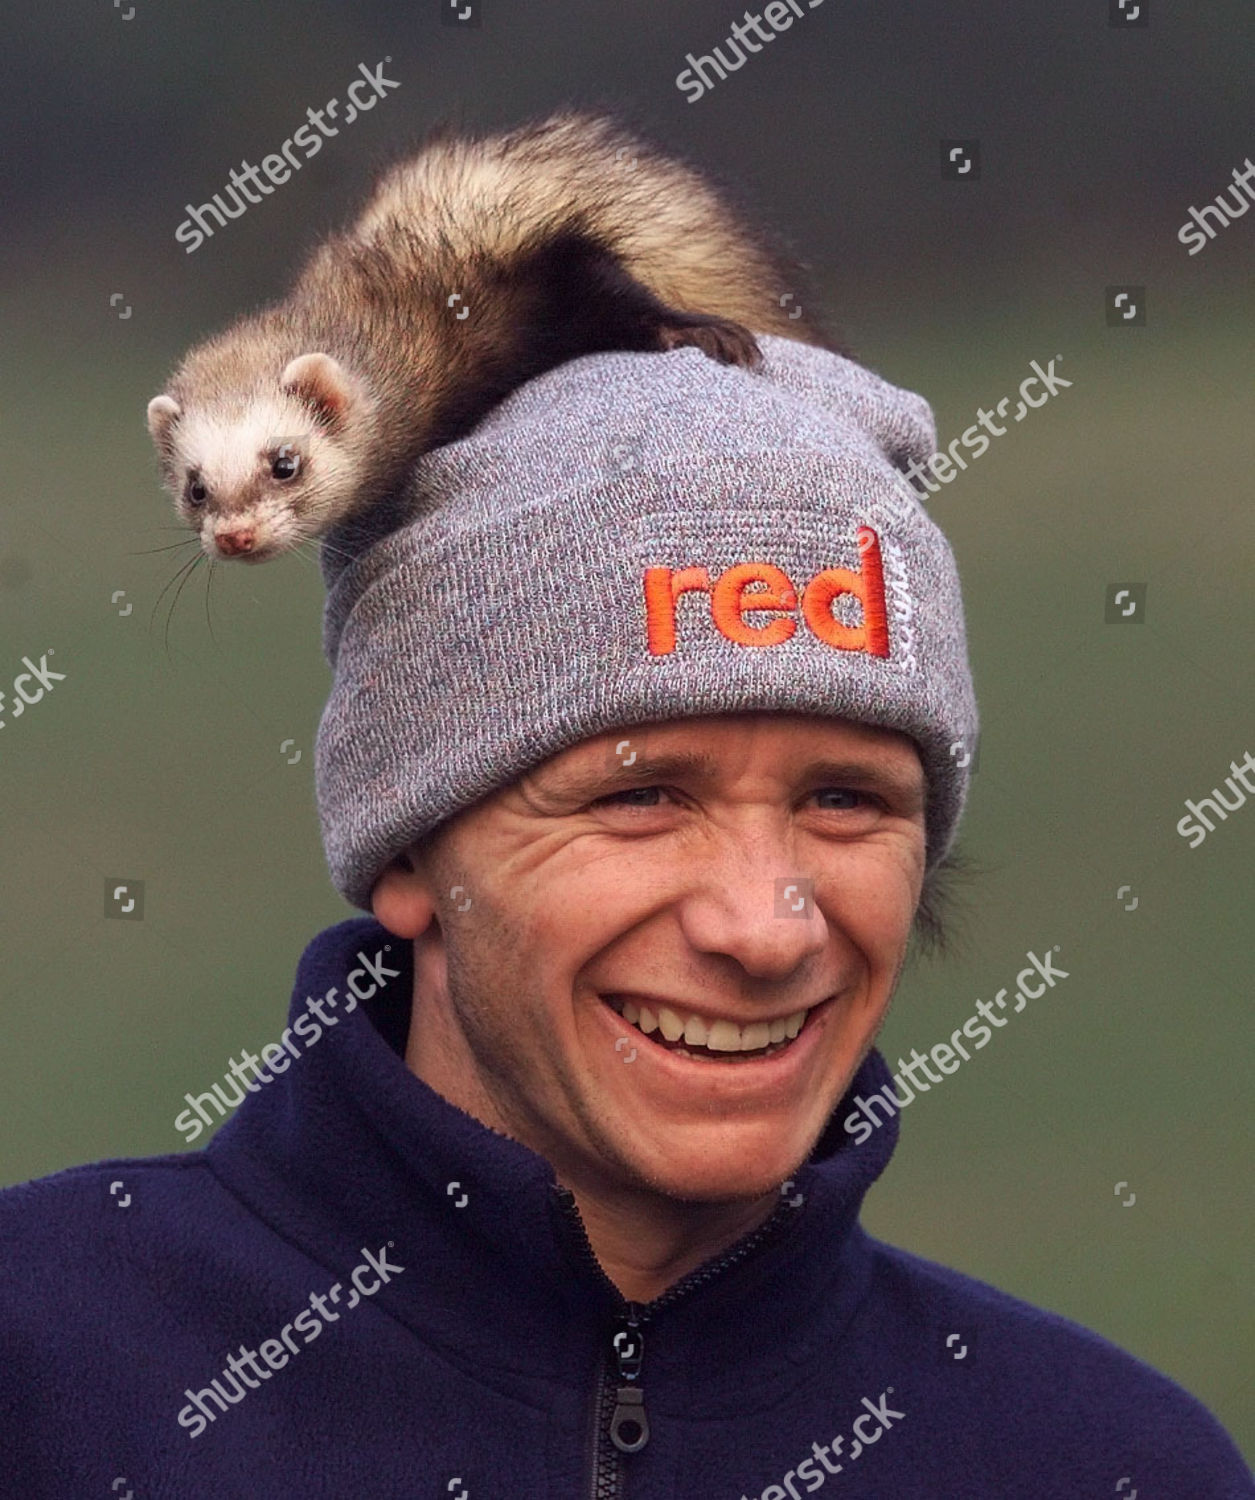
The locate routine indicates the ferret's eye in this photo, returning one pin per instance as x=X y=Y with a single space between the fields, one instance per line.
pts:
x=196 y=492
x=286 y=464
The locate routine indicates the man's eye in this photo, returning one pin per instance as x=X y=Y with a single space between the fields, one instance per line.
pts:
x=616 y=798
x=847 y=799
x=850 y=798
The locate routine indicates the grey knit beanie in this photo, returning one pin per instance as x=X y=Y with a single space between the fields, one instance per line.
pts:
x=631 y=538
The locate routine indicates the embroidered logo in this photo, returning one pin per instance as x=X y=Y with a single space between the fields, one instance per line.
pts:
x=732 y=595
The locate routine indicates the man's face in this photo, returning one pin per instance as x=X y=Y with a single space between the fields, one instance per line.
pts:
x=743 y=870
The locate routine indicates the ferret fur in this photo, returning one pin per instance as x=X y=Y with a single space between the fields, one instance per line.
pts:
x=476 y=265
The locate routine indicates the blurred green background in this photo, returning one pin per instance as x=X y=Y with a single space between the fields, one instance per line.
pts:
x=159 y=759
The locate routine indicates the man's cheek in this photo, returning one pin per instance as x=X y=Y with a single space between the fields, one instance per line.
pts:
x=873 y=904
x=555 y=920
x=897 y=877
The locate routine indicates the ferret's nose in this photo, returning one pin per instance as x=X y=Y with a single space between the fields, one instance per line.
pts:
x=232 y=543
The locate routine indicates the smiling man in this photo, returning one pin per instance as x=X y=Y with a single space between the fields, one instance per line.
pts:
x=653 y=903
x=646 y=744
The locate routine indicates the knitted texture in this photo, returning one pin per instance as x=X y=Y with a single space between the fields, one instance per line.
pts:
x=525 y=592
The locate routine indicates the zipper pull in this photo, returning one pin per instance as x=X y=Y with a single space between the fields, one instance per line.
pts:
x=629 y=1426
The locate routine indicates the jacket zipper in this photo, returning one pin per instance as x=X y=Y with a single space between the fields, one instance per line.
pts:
x=620 y=1422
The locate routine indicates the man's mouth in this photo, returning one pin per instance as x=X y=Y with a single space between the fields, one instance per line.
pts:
x=691 y=1035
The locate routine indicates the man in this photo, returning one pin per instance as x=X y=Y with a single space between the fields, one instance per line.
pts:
x=644 y=745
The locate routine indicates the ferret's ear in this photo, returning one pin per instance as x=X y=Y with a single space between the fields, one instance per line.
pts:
x=163 y=412
x=318 y=379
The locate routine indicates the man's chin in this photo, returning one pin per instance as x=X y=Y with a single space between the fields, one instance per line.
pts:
x=719 y=1175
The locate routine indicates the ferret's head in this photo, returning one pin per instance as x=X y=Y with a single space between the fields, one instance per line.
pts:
x=260 y=470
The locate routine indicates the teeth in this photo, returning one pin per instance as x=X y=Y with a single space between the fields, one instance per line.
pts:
x=670 y=1024
x=723 y=1036
x=717 y=1036
x=755 y=1036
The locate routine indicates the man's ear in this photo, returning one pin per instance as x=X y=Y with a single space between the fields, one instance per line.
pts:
x=402 y=900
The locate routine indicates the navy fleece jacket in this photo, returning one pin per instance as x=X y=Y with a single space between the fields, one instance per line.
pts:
x=358 y=1290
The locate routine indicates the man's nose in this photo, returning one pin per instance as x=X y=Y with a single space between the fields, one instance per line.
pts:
x=755 y=905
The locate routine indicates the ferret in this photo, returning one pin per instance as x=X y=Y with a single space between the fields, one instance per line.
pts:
x=476 y=264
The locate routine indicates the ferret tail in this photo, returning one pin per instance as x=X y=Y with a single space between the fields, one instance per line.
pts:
x=579 y=182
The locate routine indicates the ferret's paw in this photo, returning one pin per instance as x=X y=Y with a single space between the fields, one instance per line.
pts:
x=719 y=338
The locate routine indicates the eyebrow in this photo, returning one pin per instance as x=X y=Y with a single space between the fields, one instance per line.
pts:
x=595 y=781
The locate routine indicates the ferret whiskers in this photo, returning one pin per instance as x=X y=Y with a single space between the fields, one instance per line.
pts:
x=148 y=551
x=209 y=574
x=181 y=577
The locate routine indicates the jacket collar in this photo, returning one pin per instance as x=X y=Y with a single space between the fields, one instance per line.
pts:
x=346 y=1150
